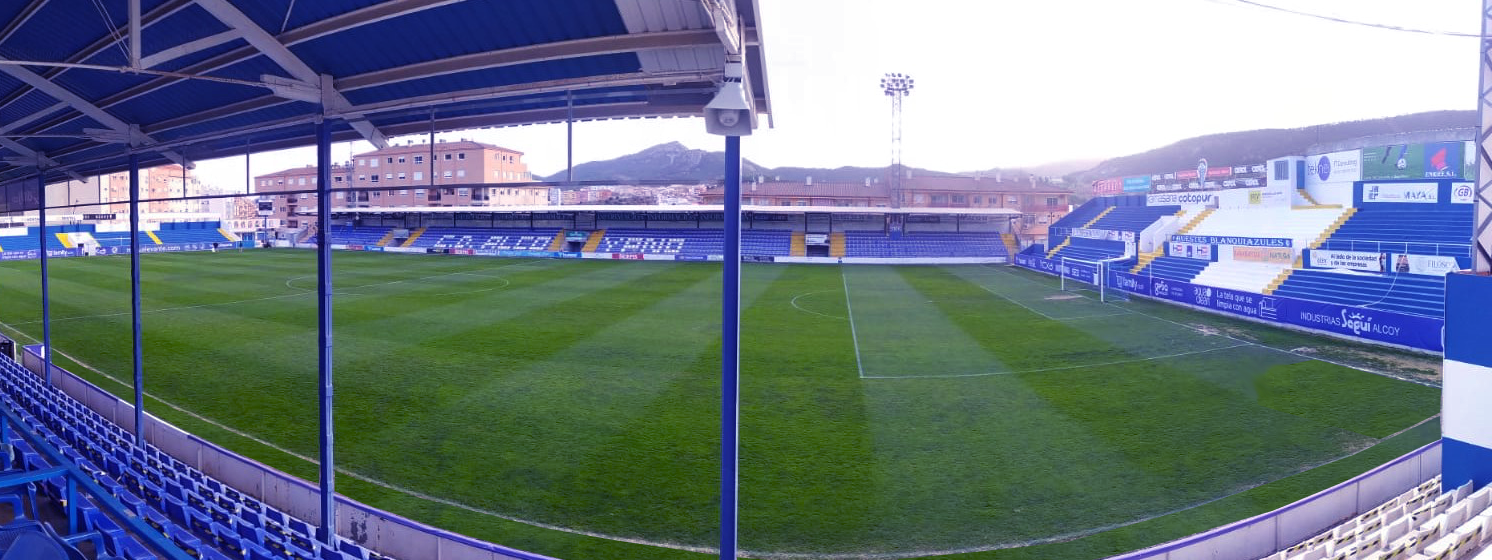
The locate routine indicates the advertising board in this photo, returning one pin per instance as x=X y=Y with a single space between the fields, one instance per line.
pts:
x=1136 y=184
x=1416 y=193
x=1231 y=240
x=1198 y=251
x=1104 y=187
x=1443 y=160
x=1334 y=167
x=1431 y=265
x=1181 y=199
x=1462 y=193
x=1350 y=260
x=1402 y=161
x=1268 y=255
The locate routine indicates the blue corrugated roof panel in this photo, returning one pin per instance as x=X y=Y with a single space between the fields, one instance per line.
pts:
x=620 y=63
x=178 y=64
x=60 y=29
x=183 y=98
x=94 y=85
x=469 y=27
x=28 y=104
x=270 y=14
x=267 y=114
x=182 y=26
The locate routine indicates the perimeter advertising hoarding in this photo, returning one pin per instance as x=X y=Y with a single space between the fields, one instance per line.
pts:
x=1181 y=199
x=1198 y=251
x=1415 y=193
x=1350 y=260
x=1436 y=160
x=1269 y=255
x=1108 y=187
x=1136 y=184
x=1231 y=240
x=1413 y=331
x=1430 y=265
x=1462 y=193
x=1335 y=167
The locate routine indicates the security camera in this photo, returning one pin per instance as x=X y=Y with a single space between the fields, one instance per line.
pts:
x=729 y=113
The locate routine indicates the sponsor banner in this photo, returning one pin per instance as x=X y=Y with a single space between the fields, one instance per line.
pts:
x=485 y=253
x=1334 y=167
x=21 y=255
x=1198 y=251
x=1033 y=262
x=1186 y=175
x=628 y=256
x=1269 y=255
x=691 y=258
x=1219 y=173
x=1081 y=271
x=1418 y=193
x=403 y=249
x=1351 y=260
x=1462 y=193
x=1443 y=160
x=577 y=236
x=1241 y=241
x=1181 y=199
x=756 y=258
x=1432 y=265
x=1251 y=182
x=1136 y=184
x=1382 y=326
x=100 y=217
x=1094 y=233
x=1108 y=187
x=351 y=247
x=341 y=247
x=1167 y=188
x=1402 y=161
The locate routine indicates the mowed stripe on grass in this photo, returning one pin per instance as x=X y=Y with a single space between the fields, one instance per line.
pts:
x=585 y=394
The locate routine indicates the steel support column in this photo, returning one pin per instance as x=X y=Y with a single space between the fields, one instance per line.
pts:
x=730 y=351
x=1481 y=254
x=46 y=291
x=569 y=138
x=139 y=347
x=324 y=326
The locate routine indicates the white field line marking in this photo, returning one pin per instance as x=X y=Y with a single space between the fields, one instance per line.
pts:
x=1094 y=316
x=368 y=479
x=849 y=310
x=810 y=311
x=251 y=300
x=1245 y=341
x=1007 y=298
x=1062 y=368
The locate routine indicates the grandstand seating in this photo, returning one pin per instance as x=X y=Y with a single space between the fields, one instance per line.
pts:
x=1132 y=218
x=357 y=235
x=206 y=518
x=663 y=241
x=486 y=239
x=766 y=242
x=1421 y=523
x=1405 y=293
x=1175 y=268
x=1436 y=230
x=924 y=244
x=1302 y=225
x=194 y=235
x=1082 y=248
x=117 y=238
x=28 y=242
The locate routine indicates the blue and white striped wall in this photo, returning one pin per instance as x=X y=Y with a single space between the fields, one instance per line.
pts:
x=1466 y=399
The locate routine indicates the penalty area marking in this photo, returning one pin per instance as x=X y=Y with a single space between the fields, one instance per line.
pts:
x=1245 y=341
x=1062 y=368
x=795 y=305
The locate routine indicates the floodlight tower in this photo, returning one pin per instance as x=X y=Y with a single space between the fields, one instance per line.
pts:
x=896 y=86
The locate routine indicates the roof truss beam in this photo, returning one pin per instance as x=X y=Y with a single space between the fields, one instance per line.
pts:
x=188 y=48
x=276 y=51
x=90 y=110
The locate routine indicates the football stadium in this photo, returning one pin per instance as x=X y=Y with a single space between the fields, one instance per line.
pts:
x=1281 y=358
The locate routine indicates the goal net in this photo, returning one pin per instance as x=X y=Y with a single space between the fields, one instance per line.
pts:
x=1084 y=275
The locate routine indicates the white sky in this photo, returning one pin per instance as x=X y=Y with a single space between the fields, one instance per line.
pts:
x=1006 y=83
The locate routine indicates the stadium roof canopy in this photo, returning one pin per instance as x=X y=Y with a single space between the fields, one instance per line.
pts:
x=210 y=78
x=673 y=209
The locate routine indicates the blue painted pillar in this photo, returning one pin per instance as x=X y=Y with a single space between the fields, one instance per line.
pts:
x=324 y=325
x=135 y=298
x=730 y=352
x=1466 y=418
x=46 y=289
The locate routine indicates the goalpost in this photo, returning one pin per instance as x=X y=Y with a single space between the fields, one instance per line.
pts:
x=1089 y=275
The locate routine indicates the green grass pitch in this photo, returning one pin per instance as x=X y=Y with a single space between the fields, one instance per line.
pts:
x=973 y=411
